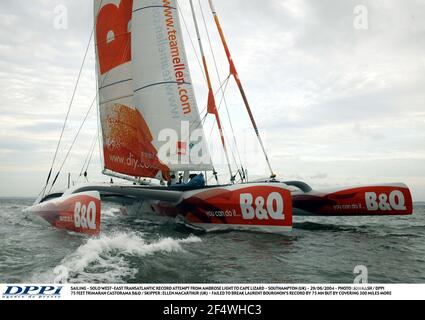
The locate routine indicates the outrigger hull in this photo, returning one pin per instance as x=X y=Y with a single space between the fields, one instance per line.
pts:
x=78 y=212
x=373 y=200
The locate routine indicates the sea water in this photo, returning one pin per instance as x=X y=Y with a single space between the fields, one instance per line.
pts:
x=136 y=247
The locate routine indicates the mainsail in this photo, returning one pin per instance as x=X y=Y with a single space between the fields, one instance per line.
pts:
x=148 y=112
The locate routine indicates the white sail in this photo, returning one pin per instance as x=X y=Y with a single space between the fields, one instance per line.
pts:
x=150 y=120
x=163 y=90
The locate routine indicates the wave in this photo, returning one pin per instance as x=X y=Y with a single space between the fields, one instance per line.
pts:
x=111 y=211
x=314 y=226
x=106 y=259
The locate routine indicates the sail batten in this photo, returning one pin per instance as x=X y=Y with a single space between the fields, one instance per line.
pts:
x=115 y=83
x=153 y=6
x=161 y=83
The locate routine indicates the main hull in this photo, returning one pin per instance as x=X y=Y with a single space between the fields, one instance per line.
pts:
x=259 y=207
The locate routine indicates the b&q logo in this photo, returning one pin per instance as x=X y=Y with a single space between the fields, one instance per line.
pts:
x=85 y=216
x=262 y=209
x=383 y=202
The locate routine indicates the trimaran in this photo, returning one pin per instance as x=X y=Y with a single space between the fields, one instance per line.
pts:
x=151 y=128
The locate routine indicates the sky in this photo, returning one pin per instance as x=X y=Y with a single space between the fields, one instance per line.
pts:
x=336 y=87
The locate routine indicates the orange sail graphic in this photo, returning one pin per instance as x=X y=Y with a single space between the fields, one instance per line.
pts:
x=113 y=36
x=128 y=147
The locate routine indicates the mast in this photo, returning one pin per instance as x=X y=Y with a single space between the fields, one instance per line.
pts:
x=212 y=107
x=239 y=83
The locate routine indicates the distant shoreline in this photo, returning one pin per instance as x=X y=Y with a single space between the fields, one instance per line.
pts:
x=17 y=198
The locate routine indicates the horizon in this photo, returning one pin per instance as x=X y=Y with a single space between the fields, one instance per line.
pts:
x=343 y=91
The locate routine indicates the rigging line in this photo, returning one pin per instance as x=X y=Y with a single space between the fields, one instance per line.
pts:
x=99 y=140
x=98 y=123
x=219 y=79
x=91 y=156
x=191 y=40
x=212 y=128
x=72 y=145
x=239 y=83
x=100 y=151
x=212 y=108
x=84 y=120
x=197 y=58
x=88 y=154
x=224 y=83
x=210 y=178
x=84 y=164
x=202 y=121
x=220 y=104
x=204 y=118
x=219 y=107
x=92 y=145
x=70 y=106
x=71 y=102
x=215 y=120
x=205 y=108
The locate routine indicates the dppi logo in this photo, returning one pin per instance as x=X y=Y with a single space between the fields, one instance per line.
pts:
x=32 y=291
x=383 y=202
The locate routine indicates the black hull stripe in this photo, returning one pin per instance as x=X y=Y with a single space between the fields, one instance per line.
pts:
x=115 y=83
